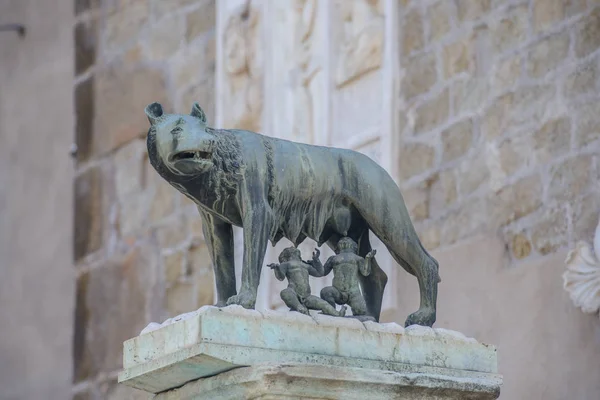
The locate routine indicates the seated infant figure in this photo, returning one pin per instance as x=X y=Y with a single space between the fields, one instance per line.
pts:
x=297 y=295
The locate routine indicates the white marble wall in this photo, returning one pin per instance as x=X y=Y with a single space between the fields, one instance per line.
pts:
x=313 y=71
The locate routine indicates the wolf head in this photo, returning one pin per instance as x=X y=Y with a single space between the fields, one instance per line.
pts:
x=182 y=143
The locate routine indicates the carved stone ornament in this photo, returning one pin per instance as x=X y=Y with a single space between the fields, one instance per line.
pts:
x=273 y=189
x=582 y=278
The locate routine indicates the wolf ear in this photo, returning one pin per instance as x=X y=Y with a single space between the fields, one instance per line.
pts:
x=198 y=112
x=154 y=112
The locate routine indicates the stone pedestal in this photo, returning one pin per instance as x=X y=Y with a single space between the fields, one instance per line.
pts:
x=233 y=353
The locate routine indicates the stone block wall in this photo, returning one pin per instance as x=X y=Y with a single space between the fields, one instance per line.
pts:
x=138 y=245
x=500 y=123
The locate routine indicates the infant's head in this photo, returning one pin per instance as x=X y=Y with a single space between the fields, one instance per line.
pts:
x=346 y=245
x=290 y=253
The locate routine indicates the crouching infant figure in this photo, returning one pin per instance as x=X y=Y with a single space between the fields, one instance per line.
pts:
x=346 y=265
x=297 y=296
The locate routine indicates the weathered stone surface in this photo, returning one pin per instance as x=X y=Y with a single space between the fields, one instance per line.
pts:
x=520 y=246
x=469 y=95
x=202 y=92
x=190 y=66
x=110 y=308
x=164 y=38
x=133 y=215
x=583 y=80
x=415 y=158
x=457 y=140
x=123 y=26
x=201 y=20
x=417 y=202
x=430 y=236
x=89 y=220
x=420 y=75
x=570 y=178
x=413 y=32
x=129 y=166
x=466 y=220
x=84 y=119
x=552 y=139
x=516 y=201
x=85 y=38
x=163 y=202
x=506 y=74
x=547 y=54
x=172 y=232
x=473 y=171
x=510 y=30
x=458 y=57
x=585 y=215
x=433 y=112
x=546 y=13
x=472 y=9
x=82 y=6
x=513 y=154
x=442 y=192
x=550 y=232
x=439 y=19
x=161 y=7
x=588 y=123
x=180 y=298
x=587 y=33
x=120 y=94
x=153 y=360
x=173 y=266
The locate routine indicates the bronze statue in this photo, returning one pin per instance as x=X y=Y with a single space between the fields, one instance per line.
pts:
x=275 y=188
x=346 y=265
x=297 y=295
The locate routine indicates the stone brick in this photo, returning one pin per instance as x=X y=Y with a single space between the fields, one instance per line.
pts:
x=514 y=153
x=571 y=178
x=432 y=113
x=582 y=81
x=546 y=13
x=196 y=228
x=110 y=309
x=588 y=123
x=457 y=140
x=198 y=260
x=123 y=26
x=201 y=20
x=193 y=65
x=120 y=95
x=550 y=232
x=469 y=95
x=84 y=119
x=552 y=139
x=468 y=219
x=439 y=19
x=458 y=57
x=442 y=192
x=430 y=236
x=203 y=93
x=205 y=289
x=585 y=216
x=511 y=30
x=88 y=219
x=506 y=74
x=421 y=75
x=133 y=214
x=547 y=54
x=473 y=172
x=180 y=298
x=415 y=158
x=516 y=201
x=172 y=233
x=417 y=202
x=162 y=7
x=85 y=38
x=164 y=38
x=413 y=32
x=587 y=33
x=173 y=267
x=472 y=9
x=129 y=168
x=520 y=246
x=163 y=202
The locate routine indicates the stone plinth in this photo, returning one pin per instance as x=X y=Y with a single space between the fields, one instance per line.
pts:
x=233 y=353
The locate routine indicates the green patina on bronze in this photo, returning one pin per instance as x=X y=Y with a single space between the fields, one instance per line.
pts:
x=275 y=188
